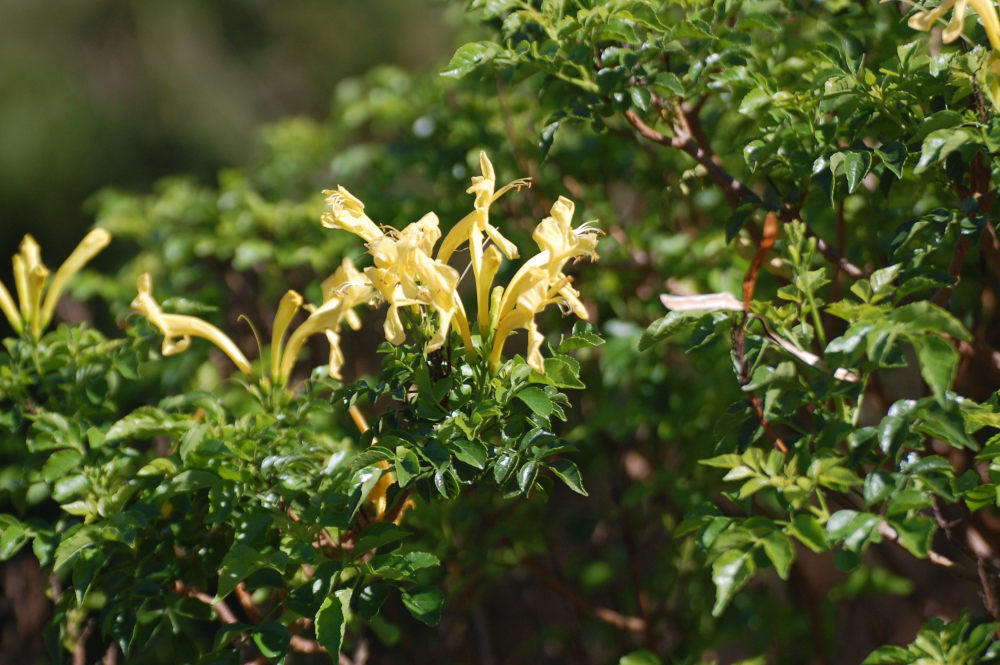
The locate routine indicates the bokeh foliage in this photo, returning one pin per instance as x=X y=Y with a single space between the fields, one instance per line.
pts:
x=770 y=473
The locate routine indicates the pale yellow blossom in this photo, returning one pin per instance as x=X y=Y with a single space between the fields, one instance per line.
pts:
x=178 y=329
x=476 y=224
x=924 y=20
x=541 y=282
x=345 y=289
x=348 y=213
x=36 y=302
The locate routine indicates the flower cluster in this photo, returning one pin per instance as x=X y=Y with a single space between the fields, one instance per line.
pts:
x=925 y=19
x=408 y=276
x=407 y=273
x=36 y=303
x=345 y=289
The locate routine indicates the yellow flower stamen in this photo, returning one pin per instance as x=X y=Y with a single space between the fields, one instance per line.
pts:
x=348 y=213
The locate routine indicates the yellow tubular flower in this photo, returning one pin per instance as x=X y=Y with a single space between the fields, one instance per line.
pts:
x=925 y=20
x=439 y=289
x=25 y=262
x=88 y=248
x=36 y=285
x=540 y=281
x=290 y=304
x=178 y=329
x=530 y=301
x=472 y=227
x=345 y=289
x=348 y=213
x=30 y=276
x=9 y=310
x=491 y=263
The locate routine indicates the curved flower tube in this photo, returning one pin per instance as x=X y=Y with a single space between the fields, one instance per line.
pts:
x=345 y=289
x=475 y=225
x=178 y=329
x=924 y=20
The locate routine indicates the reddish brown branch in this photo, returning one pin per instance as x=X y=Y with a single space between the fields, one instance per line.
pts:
x=736 y=192
x=80 y=644
x=225 y=614
x=608 y=616
x=732 y=188
x=246 y=601
x=890 y=534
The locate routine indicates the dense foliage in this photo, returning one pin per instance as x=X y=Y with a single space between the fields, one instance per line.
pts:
x=797 y=462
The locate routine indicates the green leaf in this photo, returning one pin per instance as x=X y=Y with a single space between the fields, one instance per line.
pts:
x=888 y=655
x=145 y=423
x=939 y=144
x=159 y=466
x=666 y=84
x=561 y=372
x=730 y=573
x=371 y=455
x=74 y=542
x=583 y=336
x=59 y=463
x=12 y=537
x=378 y=534
x=779 y=550
x=925 y=316
x=471 y=452
x=420 y=560
x=470 y=56
x=330 y=623
x=536 y=399
x=938 y=363
x=446 y=483
x=856 y=166
x=272 y=639
x=568 y=472
x=754 y=100
x=371 y=599
x=526 y=476
x=425 y=604
x=503 y=466
x=242 y=560
x=893 y=156
x=407 y=465
x=809 y=532
x=641 y=657
x=193 y=479
x=915 y=533
x=667 y=326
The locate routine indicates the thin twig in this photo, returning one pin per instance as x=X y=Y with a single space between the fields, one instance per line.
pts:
x=890 y=534
x=80 y=644
x=247 y=602
x=608 y=616
x=735 y=191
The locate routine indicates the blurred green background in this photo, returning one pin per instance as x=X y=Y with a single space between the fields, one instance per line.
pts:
x=120 y=93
